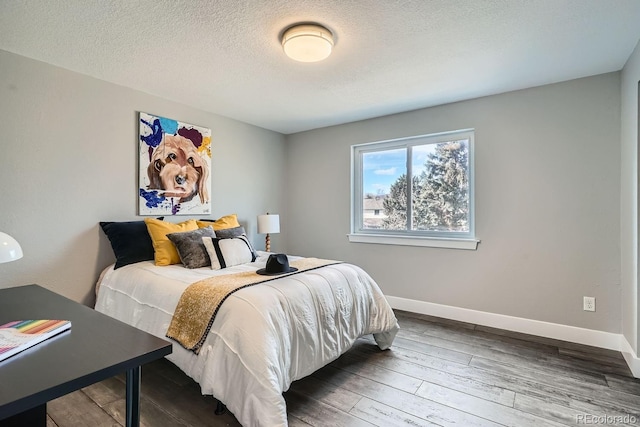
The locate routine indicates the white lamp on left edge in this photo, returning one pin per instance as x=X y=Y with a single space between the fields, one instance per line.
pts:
x=10 y=249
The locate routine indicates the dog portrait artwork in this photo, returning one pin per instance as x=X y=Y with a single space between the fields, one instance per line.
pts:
x=178 y=169
x=175 y=163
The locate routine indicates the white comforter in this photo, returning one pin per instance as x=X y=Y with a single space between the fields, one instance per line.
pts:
x=264 y=336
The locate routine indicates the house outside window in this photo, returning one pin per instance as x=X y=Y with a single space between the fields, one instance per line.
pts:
x=436 y=170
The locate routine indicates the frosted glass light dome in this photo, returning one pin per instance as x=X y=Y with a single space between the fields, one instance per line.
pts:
x=307 y=43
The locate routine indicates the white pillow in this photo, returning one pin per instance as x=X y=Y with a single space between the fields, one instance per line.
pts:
x=228 y=252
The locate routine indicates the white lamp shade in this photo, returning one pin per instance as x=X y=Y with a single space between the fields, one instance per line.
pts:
x=10 y=249
x=268 y=224
x=307 y=43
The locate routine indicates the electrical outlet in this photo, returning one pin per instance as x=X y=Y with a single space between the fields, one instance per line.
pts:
x=589 y=304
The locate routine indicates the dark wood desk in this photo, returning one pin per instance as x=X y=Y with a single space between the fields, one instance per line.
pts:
x=96 y=348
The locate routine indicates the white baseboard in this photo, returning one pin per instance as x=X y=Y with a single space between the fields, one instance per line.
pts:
x=630 y=356
x=518 y=324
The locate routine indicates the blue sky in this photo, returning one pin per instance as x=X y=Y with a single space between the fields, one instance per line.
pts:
x=382 y=168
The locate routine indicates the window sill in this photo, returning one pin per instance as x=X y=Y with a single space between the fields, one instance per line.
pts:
x=430 y=242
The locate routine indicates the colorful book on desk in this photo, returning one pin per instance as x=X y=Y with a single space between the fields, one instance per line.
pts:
x=19 y=335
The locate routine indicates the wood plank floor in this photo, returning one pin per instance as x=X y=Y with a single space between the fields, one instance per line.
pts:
x=438 y=372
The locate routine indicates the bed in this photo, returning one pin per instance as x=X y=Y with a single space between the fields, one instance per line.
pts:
x=263 y=337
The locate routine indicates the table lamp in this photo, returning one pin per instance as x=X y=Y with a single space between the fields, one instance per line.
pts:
x=10 y=249
x=268 y=224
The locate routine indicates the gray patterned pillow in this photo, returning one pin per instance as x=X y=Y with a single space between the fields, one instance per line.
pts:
x=189 y=244
x=228 y=233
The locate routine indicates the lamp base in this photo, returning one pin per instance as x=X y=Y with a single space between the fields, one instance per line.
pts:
x=267 y=243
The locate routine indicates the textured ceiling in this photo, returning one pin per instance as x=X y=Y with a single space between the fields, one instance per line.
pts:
x=390 y=55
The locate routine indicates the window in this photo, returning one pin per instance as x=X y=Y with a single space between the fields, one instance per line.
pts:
x=435 y=170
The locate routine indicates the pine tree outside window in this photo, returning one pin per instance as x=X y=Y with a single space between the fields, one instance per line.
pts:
x=435 y=170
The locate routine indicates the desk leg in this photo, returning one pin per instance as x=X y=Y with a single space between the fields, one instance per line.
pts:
x=33 y=417
x=133 y=397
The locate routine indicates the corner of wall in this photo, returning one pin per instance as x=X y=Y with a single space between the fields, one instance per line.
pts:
x=629 y=124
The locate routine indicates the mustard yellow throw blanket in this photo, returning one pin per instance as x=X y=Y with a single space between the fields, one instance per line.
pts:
x=200 y=302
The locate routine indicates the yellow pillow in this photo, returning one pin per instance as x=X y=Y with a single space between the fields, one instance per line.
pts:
x=165 y=250
x=228 y=221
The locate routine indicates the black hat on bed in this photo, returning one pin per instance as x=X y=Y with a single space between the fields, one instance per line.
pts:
x=277 y=264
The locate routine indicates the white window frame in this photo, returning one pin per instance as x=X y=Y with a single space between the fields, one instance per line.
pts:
x=451 y=240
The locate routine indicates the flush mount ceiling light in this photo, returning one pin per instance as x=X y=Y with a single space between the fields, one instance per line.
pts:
x=307 y=42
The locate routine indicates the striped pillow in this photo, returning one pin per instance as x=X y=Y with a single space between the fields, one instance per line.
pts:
x=228 y=252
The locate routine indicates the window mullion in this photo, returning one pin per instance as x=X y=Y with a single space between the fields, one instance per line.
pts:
x=409 y=190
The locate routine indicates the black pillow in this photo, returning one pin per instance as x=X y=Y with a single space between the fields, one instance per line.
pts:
x=130 y=241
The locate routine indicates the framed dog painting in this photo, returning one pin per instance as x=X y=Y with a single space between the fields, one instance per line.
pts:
x=175 y=160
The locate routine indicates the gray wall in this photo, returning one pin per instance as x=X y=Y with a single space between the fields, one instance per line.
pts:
x=69 y=160
x=547 y=204
x=547 y=190
x=629 y=198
